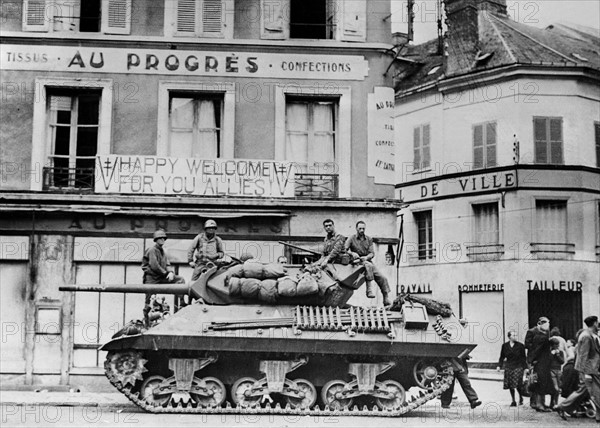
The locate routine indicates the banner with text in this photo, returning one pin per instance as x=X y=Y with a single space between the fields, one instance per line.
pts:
x=154 y=175
x=182 y=63
x=381 y=143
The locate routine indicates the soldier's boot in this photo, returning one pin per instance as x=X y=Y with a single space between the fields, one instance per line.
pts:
x=370 y=289
x=386 y=299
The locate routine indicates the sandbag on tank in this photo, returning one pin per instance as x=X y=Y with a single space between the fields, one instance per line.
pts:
x=253 y=269
x=235 y=286
x=268 y=291
x=307 y=285
x=286 y=286
x=250 y=287
x=236 y=271
x=273 y=271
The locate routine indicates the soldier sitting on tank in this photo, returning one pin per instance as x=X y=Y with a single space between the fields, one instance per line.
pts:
x=206 y=248
x=333 y=245
x=157 y=268
x=360 y=248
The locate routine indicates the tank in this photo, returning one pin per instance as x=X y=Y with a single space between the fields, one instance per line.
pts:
x=308 y=353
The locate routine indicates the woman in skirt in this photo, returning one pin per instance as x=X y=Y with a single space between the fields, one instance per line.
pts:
x=512 y=356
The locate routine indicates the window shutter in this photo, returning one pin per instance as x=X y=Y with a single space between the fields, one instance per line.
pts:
x=425 y=155
x=35 y=15
x=274 y=15
x=354 y=20
x=417 y=148
x=556 y=149
x=597 y=132
x=540 y=140
x=186 y=17
x=212 y=17
x=490 y=142
x=116 y=16
x=478 y=146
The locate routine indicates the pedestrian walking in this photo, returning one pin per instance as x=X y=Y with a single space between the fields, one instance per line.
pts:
x=512 y=356
x=558 y=361
x=461 y=373
x=539 y=361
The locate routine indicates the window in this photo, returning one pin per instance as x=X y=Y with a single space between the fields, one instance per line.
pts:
x=195 y=119
x=551 y=221
x=310 y=130
x=85 y=16
x=486 y=224
x=315 y=132
x=422 y=156
x=198 y=18
x=424 y=235
x=70 y=128
x=314 y=19
x=195 y=122
x=547 y=134
x=73 y=134
x=597 y=136
x=484 y=145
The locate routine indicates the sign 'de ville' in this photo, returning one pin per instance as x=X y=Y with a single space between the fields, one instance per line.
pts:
x=475 y=183
x=191 y=176
x=181 y=62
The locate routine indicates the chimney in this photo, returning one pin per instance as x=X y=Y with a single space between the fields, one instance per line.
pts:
x=463 y=18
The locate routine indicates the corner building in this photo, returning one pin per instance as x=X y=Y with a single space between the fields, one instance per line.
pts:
x=499 y=152
x=120 y=117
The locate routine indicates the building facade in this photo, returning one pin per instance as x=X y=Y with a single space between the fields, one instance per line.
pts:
x=498 y=140
x=122 y=117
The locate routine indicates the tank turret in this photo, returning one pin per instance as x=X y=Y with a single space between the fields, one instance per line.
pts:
x=288 y=343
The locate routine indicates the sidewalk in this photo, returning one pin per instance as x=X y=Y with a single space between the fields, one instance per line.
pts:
x=69 y=399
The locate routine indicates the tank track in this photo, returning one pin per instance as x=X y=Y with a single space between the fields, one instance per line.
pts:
x=441 y=384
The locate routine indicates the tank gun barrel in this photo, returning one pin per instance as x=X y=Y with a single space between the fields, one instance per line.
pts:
x=130 y=288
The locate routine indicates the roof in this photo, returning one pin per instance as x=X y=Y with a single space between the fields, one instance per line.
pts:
x=503 y=42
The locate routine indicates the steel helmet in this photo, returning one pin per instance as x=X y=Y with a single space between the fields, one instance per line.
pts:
x=210 y=223
x=159 y=234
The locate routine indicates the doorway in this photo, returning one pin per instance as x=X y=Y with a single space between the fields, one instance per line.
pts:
x=563 y=308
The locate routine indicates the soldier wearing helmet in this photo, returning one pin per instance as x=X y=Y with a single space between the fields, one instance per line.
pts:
x=206 y=247
x=155 y=263
x=157 y=268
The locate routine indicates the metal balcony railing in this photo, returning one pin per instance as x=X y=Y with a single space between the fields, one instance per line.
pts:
x=316 y=186
x=485 y=252
x=552 y=250
x=64 y=178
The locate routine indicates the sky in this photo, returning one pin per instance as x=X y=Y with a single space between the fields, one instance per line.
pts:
x=539 y=13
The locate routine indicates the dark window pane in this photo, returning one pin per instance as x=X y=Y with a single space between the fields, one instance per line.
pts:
x=556 y=154
x=308 y=19
x=597 y=129
x=417 y=137
x=90 y=16
x=417 y=159
x=63 y=117
x=478 y=136
x=490 y=134
x=478 y=157
x=491 y=156
x=89 y=105
x=87 y=141
x=426 y=135
x=426 y=157
x=62 y=139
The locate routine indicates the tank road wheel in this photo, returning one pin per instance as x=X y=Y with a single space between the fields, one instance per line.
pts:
x=328 y=395
x=214 y=387
x=590 y=409
x=152 y=394
x=310 y=395
x=425 y=373
x=126 y=367
x=238 y=392
x=398 y=392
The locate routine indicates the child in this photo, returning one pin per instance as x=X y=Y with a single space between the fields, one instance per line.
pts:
x=558 y=360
